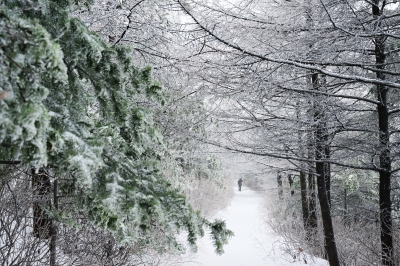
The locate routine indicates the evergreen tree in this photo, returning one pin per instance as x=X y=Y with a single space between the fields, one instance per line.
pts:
x=69 y=103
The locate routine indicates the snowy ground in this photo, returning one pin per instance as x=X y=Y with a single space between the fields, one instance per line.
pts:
x=253 y=244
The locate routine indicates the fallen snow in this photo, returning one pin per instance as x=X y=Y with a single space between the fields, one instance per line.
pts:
x=254 y=243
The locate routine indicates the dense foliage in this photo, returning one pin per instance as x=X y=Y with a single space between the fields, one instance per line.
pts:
x=69 y=103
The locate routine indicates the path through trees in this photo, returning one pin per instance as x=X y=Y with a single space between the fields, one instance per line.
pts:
x=254 y=242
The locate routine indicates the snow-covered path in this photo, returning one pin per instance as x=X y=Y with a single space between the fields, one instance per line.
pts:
x=253 y=243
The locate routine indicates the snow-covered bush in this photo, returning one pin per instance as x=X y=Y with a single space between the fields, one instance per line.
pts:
x=357 y=234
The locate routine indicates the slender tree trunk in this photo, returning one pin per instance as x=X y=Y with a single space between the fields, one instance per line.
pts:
x=345 y=209
x=303 y=180
x=291 y=180
x=312 y=197
x=53 y=232
x=41 y=221
x=311 y=191
x=321 y=141
x=327 y=166
x=384 y=149
x=330 y=244
x=304 y=204
x=280 y=187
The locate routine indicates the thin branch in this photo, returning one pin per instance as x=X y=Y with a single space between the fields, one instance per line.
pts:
x=300 y=64
x=129 y=22
x=10 y=162
x=279 y=156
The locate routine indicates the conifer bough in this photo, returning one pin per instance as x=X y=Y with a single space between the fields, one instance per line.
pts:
x=69 y=100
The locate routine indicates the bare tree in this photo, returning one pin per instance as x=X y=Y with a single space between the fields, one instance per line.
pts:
x=349 y=42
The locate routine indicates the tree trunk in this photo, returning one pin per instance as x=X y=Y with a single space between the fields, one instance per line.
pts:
x=41 y=221
x=330 y=245
x=345 y=209
x=291 y=180
x=312 y=196
x=280 y=187
x=321 y=143
x=312 y=200
x=302 y=176
x=327 y=166
x=304 y=204
x=53 y=232
x=384 y=149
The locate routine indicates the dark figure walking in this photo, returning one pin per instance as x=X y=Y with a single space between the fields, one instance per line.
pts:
x=240 y=182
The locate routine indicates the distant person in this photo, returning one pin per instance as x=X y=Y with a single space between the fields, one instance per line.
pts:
x=240 y=182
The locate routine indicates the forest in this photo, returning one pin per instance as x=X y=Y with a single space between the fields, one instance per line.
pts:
x=111 y=112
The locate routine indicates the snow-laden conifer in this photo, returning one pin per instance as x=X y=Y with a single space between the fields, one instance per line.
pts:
x=69 y=103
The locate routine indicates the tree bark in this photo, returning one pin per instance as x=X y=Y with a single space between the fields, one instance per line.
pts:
x=345 y=209
x=321 y=143
x=327 y=166
x=41 y=221
x=330 y=244
x=312 y=197
x=53 y=232
x=384 y=149
x=304 y=203
x=291 y=180
x=280 y=188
